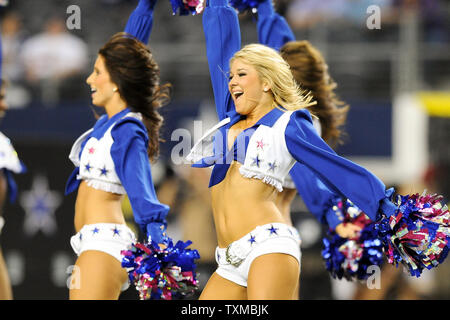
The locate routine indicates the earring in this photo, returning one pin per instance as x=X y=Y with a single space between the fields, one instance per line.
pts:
x=115 y=90
x=265 y=89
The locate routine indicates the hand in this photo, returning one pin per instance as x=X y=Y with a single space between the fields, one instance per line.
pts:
x=348 y=230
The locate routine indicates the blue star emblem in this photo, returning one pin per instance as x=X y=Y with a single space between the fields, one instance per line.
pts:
x=81 y=237
x=252 y=239
x=95 y=230
x=116 y=231
x=40 y=204
x=88 y=167
x=272 y=166
x=103 y=172
x=273 y=230
x=256 y=161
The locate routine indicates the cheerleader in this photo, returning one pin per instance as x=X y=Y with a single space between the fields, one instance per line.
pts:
x=112 y=159
x=264 y=130
x=9 y=164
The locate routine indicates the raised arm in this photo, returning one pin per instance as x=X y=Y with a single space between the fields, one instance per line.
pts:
x=140 y=21
x=223 y=39
x=273 y=30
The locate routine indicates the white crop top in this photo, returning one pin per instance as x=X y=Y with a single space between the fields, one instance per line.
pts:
x=266 y=155
x=95 y=163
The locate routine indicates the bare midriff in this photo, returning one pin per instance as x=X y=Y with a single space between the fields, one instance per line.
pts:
x=241 y=204
x=97 y=206
x=283 y=202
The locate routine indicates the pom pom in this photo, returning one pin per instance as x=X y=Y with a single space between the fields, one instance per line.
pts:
x=186 y=7
x=161 y=273
x=417 y=235
x=244 y=5
x=350 y=258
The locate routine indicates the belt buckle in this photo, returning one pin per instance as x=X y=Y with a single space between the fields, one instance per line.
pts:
x=236 y=262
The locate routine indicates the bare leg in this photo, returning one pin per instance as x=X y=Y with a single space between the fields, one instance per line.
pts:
x=97 y=276
x=273 y=276
x=219 y=288
x=296 y=295
x=5 y=285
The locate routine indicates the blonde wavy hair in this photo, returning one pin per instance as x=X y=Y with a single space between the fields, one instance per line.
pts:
x=274 y=70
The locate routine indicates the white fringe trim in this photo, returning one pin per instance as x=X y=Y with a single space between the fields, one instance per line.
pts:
x=261 y=176
x=103 y=185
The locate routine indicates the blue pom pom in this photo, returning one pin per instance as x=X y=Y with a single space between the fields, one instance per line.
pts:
x=187 y=7
x=161 y=273
x=417 y=234
x=350 y=258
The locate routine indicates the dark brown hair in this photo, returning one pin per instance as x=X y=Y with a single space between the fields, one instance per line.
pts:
x=311 y=73
x=133 y=69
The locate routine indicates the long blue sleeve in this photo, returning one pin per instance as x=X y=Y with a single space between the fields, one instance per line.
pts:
x=223 y=39
x=140 y=21
x=129 y=153
x=273 y=30
x=340 y=175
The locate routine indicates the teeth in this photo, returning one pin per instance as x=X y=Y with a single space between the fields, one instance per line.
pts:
x=237 y=94
x=93 y=90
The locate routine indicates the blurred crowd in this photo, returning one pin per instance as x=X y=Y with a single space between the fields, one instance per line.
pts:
x=45 y=62
x=433 y=14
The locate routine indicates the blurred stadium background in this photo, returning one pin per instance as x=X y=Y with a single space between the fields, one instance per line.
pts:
x=395 y=78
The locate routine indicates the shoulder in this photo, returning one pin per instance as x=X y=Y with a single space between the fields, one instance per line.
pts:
x=300 y=123
x=129 y=126
x=301 y=115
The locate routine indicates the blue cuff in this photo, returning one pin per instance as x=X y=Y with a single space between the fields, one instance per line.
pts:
x=265 y=8
x=387 y=207
x=334 y=217
x=156 y=231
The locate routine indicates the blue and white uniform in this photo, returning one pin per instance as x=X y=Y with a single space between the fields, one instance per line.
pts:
x=290 y=136
x=274 y=31
x=9 y=160
x=112 y=156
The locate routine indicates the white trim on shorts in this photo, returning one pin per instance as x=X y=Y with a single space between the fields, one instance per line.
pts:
x=235 y=260
x=110 y=238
